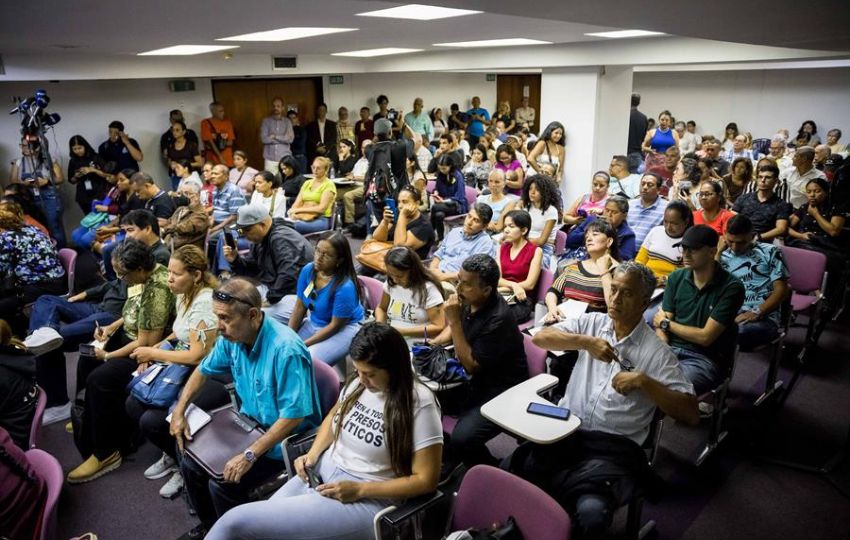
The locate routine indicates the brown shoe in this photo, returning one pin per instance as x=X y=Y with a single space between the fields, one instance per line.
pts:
x=93 y=468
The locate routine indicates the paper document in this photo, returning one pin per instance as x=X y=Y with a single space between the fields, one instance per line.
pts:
x=657 y=293
x=196 y=417
x=534 y=329
x=572 y=309
x=98 y=344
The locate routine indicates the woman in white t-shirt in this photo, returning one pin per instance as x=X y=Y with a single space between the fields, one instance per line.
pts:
x=540 y=200
x=381 y=443
x=267 y=192
x=413 y=298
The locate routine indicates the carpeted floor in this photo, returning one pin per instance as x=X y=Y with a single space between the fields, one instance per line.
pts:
x=735 y=495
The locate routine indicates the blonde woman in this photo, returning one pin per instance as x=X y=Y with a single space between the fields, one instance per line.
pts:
x=313 y=208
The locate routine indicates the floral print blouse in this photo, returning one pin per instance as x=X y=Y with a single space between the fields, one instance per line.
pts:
x=29 y=256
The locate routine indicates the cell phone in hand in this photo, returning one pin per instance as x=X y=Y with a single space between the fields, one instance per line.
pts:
x=86 y=349
x=313 y=477
x=392 y=205
x=550 y=411
x=230 y=240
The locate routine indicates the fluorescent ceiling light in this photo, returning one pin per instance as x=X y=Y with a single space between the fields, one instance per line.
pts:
x=376 y=52
x=625 y=34
x=507 y=42
x=419 y=12
x=285 y=34
x=185 y=50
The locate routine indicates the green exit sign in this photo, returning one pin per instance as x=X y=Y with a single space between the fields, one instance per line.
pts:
x=491 y=77
x=335 y=79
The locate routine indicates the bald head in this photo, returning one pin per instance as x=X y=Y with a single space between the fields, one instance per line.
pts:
x=242 y=289
x=822 y=152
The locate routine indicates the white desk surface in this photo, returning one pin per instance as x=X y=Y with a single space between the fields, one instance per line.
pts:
x=508 y=411
x=344 y=182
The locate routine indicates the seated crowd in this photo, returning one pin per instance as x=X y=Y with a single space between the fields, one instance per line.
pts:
x=234 y=283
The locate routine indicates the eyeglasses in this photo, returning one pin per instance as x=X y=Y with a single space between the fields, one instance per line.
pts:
x=706 y=194
x=227 y=298
x=625 y=364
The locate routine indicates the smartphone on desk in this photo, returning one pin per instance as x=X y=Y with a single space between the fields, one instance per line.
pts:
x=313 y=477
x=550 y=411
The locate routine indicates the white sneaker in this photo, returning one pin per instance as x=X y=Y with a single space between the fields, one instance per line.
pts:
x=43 y=340
x=173 y=487
x=59 y=413
x=162 y=468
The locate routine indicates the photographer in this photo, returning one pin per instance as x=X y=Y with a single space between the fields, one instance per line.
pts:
x=34 y=171
x=387 y=172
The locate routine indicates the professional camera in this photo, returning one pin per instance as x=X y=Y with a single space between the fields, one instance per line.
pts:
x=34 y=117
x=392 y=115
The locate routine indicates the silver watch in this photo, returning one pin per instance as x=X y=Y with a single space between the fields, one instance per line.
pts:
x=249 y=456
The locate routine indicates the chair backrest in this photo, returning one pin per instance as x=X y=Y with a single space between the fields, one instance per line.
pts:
x=47 y=467
x=68 y=258
x=534 y=356
x=560 y=243
x=544 y=283
x=806 y=269
x=327 y=382
x=35 y=427
x=481 y=501
x=430 y=186
x=471 y=195
x=761 y=146
x=374 y=290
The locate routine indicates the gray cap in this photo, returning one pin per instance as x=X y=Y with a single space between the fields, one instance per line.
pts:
x=251 y=214
x=383 y=126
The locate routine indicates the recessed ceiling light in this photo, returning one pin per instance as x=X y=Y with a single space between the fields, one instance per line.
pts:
x=376 y=52
x=419 y=12
x=285 y=34
x=507 y=42
x=185 y=50
x=625 y=34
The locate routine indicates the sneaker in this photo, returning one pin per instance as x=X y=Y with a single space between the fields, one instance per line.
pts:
x=198 y=533
x=162 y=468
x=43 y=340
x=56 y=414
x=173 y=487
x=69 y=427
x=93 y=468
x=705 y=409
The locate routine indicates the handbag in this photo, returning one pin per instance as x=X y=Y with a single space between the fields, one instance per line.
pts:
x=434 y=362
x=228 y=433
x=372 y=254
x=160 y=384
x=93 y=220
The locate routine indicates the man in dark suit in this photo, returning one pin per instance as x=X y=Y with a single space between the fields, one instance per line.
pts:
x=321 y=136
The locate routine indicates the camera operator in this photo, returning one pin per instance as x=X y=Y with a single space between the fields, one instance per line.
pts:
x=394 y=116
x=34 y=171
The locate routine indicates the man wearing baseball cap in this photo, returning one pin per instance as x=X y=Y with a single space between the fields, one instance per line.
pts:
x=697 y=317
x=278 y=253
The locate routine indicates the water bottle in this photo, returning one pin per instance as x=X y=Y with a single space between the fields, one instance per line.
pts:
x=333 y=172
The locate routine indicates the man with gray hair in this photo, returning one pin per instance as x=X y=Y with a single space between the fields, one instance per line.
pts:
x=795 y=178
x=227 y=198
x=822 y=153
x=189 y=223
x=623 y=373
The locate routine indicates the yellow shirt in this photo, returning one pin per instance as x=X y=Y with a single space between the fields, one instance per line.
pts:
x=311 y=193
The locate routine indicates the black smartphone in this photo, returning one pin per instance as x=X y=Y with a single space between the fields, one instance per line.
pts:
x=550 y=411
x=313 y=477
x=86 y=349
x=231 y=241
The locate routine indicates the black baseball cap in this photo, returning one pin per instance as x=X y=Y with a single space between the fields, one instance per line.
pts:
x=699 y=236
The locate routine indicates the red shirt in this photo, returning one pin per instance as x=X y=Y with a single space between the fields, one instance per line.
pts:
x=516 y=270
x=719 y=223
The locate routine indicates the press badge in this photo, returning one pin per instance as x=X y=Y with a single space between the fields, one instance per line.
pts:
x=308 y=289
x=149 y=378
x=88 y=185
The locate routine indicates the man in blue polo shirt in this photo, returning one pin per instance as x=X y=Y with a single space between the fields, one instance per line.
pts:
x=462 y=242
x=478 y=117
x=273 y=377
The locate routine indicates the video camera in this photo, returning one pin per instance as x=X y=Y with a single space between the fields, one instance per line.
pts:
x=34 y=117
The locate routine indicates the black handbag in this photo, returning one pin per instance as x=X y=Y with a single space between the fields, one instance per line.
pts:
x=435 y=363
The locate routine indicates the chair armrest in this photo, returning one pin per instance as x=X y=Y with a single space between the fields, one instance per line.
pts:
x=410 y=507
x=296 y=446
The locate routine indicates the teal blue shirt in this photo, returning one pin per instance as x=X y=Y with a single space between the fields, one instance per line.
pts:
x=421 y=124
x=274 y=379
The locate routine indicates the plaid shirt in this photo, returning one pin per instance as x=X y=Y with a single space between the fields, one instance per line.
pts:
x=226 y=201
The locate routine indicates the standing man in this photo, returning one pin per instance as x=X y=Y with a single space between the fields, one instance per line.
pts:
x=638 y=125
x=479 y=117
x=646 y=211
x=299 y=142
x=119 y=151
x=167 y=139
x=219 y=136
x=276 y=134
x=344 y=129
x=419 y=122
x=524 y=115
x=321 y=135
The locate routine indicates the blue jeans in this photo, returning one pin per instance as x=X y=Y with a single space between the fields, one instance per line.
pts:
x=699 y=369
x=106 y=252
x=83 y=237
x=219 y=263
x=50 y=203
x=548 y=251
x=317 y=225
x=757 y=333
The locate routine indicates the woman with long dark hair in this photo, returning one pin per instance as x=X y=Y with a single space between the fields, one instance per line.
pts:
x=381 y=443
x=327 y=309
x=412 y=302
x=519 y=263
x=291 y=178
x=85 y=170
x=540 y=199
x=449 y=193
x=549 y=148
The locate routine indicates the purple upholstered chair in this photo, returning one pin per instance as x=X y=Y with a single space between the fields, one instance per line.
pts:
x=35 y=428
x=374 y=291
x=68 y=258
x=327 y=382
x=48 y=468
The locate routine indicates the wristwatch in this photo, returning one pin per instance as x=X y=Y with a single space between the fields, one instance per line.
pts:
x=665 y=324
x=757 y=311
x=249 y=456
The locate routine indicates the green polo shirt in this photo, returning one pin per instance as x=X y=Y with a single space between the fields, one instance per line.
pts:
x=720 y=299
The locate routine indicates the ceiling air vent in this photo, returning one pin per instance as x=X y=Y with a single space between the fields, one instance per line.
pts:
x=284 y=62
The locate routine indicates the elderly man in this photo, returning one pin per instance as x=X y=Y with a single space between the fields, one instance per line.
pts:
x=278 y=253
x=712 y=151
x=777 y=152
x=767 y=211
x=218 y=136
x=461 y=242
x=762 y=270
x=419 y=122
x=822 y=153
x=273 y=378
x=647 y=211
x=189 y=223
x=796 y=178
x=276 y=134
x=525 y=114
x=833 y=136
x=623 y=373
x=227 y=198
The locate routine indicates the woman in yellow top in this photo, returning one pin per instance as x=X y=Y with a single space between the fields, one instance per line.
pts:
x=314 y=205
x=660 y=250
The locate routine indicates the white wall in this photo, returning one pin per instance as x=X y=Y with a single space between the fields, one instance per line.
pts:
x=761 y=102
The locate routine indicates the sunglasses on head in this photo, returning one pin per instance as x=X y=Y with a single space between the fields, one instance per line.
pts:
x=227 y=298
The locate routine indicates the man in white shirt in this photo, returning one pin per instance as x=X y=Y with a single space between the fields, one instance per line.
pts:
x=796 y=178
x=276 y=134
x=687 y=140
x=621 y=181
x=777 y=152
x=524 y=115
x=623 y=373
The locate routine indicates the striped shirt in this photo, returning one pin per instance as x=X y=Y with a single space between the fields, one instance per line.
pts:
x=643 y=218
x=576 y=283
x=658 y=253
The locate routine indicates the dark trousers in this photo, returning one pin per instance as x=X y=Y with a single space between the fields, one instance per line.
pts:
x=18 y=397
x=468 y=441
x=76 y=323
x=211 y=498
x=106 y=426
x=151 y=420
x=11 y=305
x=439 y=212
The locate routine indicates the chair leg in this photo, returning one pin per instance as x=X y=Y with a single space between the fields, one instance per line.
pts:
x=771 y=385
x=633 y=518
x=716 y=434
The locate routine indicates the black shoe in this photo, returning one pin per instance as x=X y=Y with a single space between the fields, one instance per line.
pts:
x=198 y=533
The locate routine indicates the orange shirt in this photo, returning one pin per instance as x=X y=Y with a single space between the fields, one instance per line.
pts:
x=209 y=128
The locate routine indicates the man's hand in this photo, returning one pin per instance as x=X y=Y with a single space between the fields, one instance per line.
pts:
x=236 y=468
x=179 y=428
x=229 y=254
x=552 y=317
x=453 y=309
x=745 y=317
x=626 y=381
x=600 y=349
x=77 y=298
x=660 y=315
x=345 y=491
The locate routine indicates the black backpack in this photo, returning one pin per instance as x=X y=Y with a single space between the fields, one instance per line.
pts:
x=380 y=163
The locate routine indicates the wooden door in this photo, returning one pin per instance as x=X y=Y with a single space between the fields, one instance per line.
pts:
x=511 y=87
x=247 y=101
